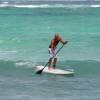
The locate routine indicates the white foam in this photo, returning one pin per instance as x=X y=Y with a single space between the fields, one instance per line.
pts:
x=6 y=4
x=25 y=64
x=12 y=51
x=39 y=6
x=95 y=6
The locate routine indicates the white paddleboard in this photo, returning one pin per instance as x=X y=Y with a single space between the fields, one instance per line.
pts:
x=55 y=71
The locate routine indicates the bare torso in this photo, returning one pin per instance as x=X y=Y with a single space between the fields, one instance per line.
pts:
x=54 y=43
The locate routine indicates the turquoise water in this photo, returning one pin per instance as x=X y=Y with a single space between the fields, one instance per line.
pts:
x=22 y=31
x=25 y=34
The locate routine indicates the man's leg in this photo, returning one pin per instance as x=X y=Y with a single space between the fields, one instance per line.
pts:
x=50 y=61
x=55 y=58
x=54 y=63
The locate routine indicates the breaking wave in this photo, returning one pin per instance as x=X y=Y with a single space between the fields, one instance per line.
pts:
x=46 y=5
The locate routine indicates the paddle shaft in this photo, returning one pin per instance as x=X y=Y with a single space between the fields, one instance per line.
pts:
x=40 y=71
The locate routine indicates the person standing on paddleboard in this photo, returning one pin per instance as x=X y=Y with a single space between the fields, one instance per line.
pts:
x=53 y=50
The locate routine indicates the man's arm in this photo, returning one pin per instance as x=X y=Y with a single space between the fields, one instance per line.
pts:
x=63 y=41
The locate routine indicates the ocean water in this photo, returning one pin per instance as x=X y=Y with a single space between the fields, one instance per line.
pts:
x=25 y=33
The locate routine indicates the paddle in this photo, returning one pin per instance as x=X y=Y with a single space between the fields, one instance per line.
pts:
x=40 y=71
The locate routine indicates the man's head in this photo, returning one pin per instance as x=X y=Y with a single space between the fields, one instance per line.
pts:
x=57 y=37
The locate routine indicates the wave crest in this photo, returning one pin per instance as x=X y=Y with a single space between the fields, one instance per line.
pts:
x=18 y=5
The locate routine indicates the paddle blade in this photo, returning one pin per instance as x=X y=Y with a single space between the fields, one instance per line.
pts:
x=39 y=72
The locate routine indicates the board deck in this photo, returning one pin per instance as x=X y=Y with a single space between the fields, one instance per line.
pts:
x=54 y=71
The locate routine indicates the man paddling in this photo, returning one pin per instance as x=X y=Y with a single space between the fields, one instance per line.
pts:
x=53 y=50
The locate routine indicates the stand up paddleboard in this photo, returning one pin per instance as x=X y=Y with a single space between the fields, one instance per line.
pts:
x=55 y=71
